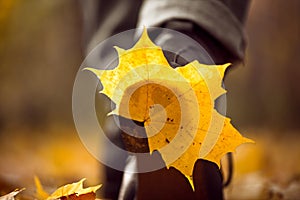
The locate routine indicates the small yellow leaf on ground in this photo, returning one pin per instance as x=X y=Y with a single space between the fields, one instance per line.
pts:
x=74 y=190
x=70 y=191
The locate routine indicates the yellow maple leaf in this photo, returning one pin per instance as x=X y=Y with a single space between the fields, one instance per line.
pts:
x=175 y=105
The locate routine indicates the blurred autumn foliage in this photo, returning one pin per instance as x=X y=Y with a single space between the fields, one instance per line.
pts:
x=41 y=49
x=265 y=92
x=40 y=52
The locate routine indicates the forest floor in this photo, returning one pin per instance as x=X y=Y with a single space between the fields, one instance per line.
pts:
x=269 y=169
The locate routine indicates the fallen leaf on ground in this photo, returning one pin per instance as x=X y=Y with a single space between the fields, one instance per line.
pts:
x=73 y=191
x=11 y=196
